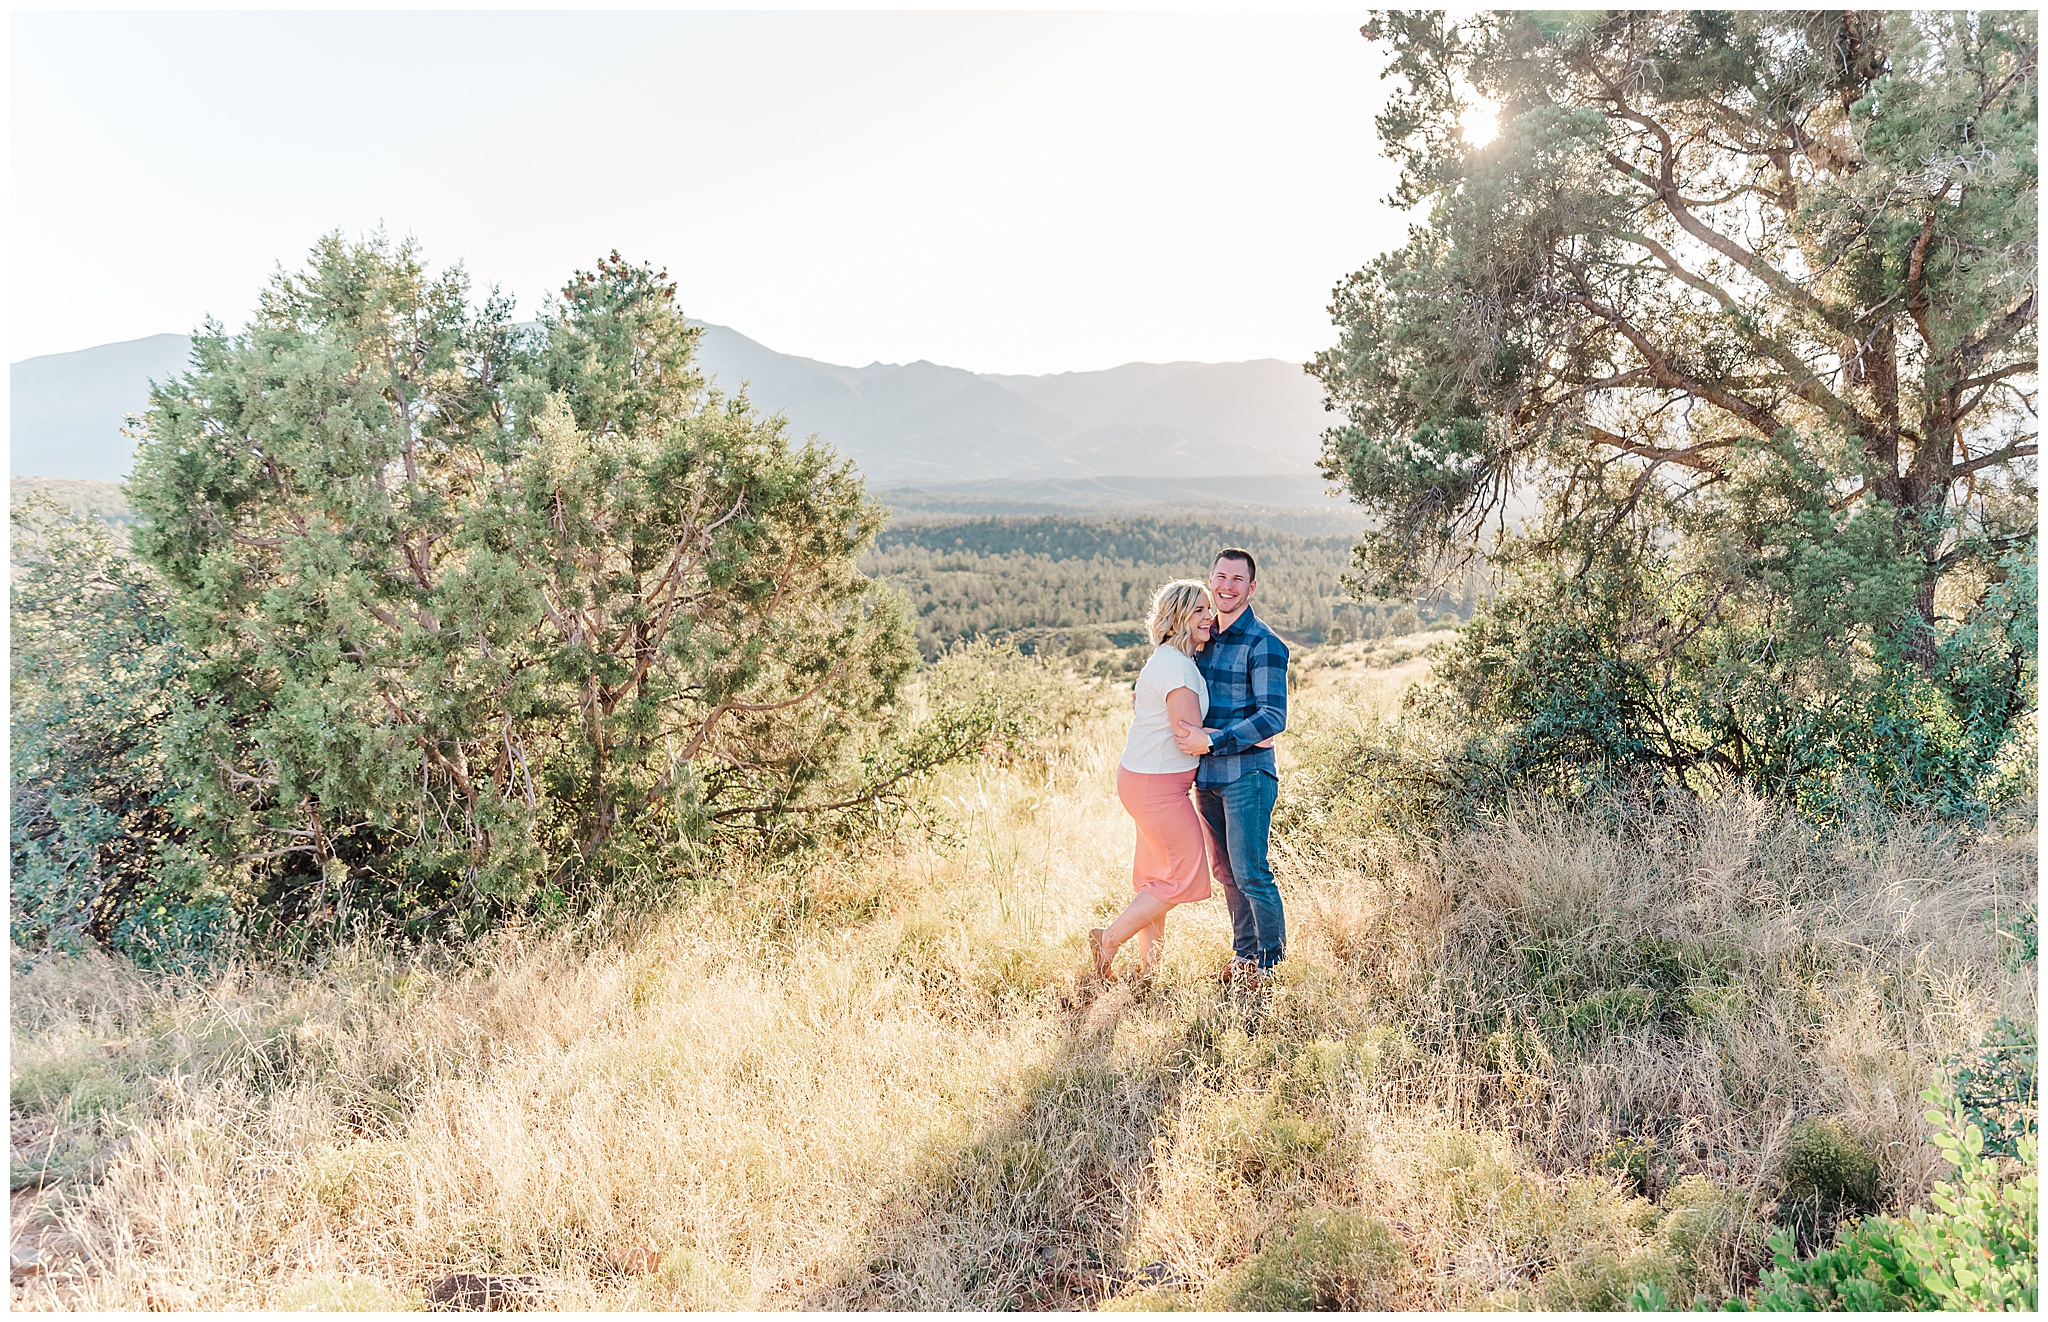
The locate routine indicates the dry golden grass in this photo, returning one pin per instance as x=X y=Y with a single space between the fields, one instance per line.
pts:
x=879 y=1080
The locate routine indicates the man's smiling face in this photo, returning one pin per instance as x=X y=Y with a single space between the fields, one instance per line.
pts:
x=1231 y=581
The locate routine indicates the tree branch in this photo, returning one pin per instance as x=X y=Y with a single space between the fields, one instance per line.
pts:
x=1916 y=268
x=1998 y=336
x=2005 y=454
x=1800 y=376
x=718 y=713
x=1666 y=190
x=1685 y=458
x=1761 y=419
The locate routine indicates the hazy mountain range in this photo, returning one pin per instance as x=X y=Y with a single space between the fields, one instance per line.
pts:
x=916 y=424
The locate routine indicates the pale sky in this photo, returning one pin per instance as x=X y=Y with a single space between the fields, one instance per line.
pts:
x=1005 y=192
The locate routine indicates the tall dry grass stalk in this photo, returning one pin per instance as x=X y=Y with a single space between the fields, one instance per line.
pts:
x=1525 y=1064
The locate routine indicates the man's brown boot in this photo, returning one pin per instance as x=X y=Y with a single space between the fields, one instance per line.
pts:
x=1239 y=969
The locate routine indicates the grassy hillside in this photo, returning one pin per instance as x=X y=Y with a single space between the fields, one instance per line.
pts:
x=1533 y=1062
x=1082 y=582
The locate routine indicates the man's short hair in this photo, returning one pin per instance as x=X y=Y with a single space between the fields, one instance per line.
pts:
x=1251 y=566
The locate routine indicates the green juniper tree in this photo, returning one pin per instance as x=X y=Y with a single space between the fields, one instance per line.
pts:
x=477 y=615
x=1744 y=305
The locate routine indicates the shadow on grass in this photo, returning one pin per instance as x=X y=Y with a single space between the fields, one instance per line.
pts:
x=1037 y=1209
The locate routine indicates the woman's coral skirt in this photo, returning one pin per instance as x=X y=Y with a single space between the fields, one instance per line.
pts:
x=1173 y=860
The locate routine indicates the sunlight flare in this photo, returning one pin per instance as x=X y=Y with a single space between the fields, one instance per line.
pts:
x=1479 y=123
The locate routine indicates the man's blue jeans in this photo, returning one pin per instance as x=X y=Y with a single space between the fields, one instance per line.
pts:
x=1240 y=818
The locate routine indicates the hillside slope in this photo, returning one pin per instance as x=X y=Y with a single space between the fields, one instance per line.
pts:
x=1551 y=1056
x=66 y=410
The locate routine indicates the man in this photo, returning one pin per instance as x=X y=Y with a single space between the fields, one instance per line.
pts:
x=1245 y=667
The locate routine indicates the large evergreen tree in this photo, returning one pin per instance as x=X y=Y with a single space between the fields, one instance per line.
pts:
x=1745 y=304
x=477 y=612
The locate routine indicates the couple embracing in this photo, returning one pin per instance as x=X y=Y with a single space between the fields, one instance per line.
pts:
x=1207 y=708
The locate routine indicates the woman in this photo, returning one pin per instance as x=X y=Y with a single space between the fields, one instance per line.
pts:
x=1153 y=777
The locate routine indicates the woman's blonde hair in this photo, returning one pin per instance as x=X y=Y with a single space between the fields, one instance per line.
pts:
x=1172 y=618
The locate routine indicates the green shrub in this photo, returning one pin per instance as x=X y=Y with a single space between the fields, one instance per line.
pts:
x=486 y=618
x=1325 y=1260
x=1711 y=1233
x=1565 y=682
x=1373 y=778
x=1977 y=1249
x=1827 y=1174
x=1030 y=708
x=1981 y=1246
x=1258 y=1138
x=96 y=671
x=1863 y=1272
x=1601 y=1282
x=1997 y=1086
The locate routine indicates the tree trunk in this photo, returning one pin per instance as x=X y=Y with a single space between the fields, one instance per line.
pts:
x=600 y=819
x=1921 y=510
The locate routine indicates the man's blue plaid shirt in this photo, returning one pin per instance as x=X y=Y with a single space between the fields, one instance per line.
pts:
x=1245 y=668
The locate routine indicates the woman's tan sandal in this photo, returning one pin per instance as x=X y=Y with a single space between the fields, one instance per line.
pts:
x=1099 y=951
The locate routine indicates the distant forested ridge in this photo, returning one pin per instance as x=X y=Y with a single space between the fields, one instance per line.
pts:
x=1069 y=581
x=1081 y=582
x=1303 y=506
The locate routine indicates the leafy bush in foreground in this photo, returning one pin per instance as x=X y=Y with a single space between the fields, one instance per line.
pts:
x=1976 y=1249
x=1998 y=1087
x=1981 y=1246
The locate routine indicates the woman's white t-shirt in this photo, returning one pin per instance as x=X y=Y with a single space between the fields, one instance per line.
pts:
x=1151 y=749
